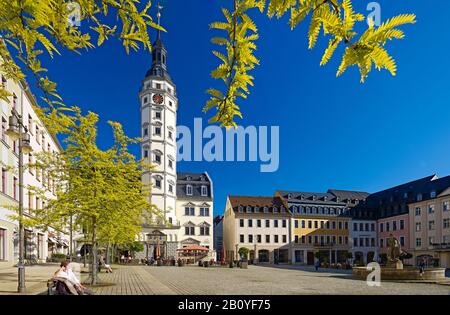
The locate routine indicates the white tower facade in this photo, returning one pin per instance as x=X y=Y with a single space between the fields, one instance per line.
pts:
x=159 y=106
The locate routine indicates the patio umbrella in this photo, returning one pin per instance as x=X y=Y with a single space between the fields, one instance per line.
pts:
x=158 y=250
x=223 y=254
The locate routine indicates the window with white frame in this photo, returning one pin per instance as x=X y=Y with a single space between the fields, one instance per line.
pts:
x=446 y=223
x=204 y=229
x=158 y=182
x=418 y=242
x=189 y=211
x=204 y=211
x=157 y=157
x=446 y=206
x=204 y=190
x=189 y=190
x=418 y=211
x=2 y=244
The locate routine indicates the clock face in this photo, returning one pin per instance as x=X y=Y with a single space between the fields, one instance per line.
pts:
x=158 y=99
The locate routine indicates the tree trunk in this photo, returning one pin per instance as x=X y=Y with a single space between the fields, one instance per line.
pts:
x=108 y=254
x=94 y=252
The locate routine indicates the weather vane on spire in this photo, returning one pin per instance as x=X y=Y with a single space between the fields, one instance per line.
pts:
x=160 y=7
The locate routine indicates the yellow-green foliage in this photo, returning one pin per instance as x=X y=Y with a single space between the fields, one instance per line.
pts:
x=101 y=189
x=336 y=18
x=30 y=27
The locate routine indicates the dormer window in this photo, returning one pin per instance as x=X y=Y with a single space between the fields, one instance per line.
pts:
x=325 y=198
x=419 y=197
x=302 y=197
x=314 y=197
x=433 y=194
x=338 y=199
x=275 y=209
x=189 y=190
x=204 y=191
x=202 y=178
x=266 y=210
x=289 y=196
x=283 y=209
x=256 y=209
x=241 y=209
x=188 y=178
x=249 y=209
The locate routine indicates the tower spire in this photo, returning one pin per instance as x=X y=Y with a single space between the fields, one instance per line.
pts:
x=160 y=7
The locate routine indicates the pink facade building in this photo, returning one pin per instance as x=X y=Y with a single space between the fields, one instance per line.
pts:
x=398 y=226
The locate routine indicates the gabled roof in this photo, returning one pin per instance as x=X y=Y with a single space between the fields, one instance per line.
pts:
x=257 y=201
x=196 y=180
x=348 y=194
x=310 y=197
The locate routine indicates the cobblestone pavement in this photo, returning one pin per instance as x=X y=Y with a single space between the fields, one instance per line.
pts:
x=144 y=280
x=35 y=276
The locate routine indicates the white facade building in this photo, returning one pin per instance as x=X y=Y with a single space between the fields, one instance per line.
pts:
x=39 y=245
x=363 y=240
x=163 y=235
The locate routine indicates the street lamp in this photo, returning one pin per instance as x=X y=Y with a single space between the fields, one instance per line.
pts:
x=18 y=131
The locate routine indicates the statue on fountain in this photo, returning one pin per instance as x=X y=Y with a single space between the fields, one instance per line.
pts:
x=395 y=253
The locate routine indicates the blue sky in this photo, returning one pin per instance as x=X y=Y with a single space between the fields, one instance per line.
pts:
x=335 y=132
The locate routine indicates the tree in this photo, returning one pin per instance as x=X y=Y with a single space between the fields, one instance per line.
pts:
x=101 y=189
x=243 y=252
x=336 y=18
x=30 y=27
x=135 y=247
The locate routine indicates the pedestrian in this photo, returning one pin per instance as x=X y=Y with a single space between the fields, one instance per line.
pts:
x=317 y=264
x=422 y=266
x=122 y=259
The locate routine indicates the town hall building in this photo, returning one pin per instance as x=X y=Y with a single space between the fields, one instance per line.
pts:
x=185 y=200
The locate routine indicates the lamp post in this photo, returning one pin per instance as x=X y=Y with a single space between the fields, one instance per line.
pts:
x=18 y=131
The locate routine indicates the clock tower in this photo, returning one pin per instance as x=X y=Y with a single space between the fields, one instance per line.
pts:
x=159 y=106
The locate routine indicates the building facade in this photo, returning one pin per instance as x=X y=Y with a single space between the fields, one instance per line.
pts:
x=185 y=200
x=430 y=228
x=363 y=240
x=218 y=237
x=39 y=245
x=319 y=227
x=194 y=210
x=260 y=224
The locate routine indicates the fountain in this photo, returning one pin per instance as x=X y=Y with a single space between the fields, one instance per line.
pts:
x=394 y=269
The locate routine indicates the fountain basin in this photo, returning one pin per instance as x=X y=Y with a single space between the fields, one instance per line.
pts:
x=405 y=274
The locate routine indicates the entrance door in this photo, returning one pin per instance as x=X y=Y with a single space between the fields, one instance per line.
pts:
x=310 y=258
x=298 y=256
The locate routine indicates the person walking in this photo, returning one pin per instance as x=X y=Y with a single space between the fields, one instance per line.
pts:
x=317 y=264
x=422 y=267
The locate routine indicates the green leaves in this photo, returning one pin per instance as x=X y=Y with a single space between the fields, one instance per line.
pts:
x=237 y=59
x=336 y=18
x=29 y=28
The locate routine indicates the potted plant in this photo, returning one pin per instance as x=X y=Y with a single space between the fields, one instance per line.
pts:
x=243 y=252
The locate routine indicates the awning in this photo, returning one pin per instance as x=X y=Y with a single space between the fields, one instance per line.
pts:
x=194 y=248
